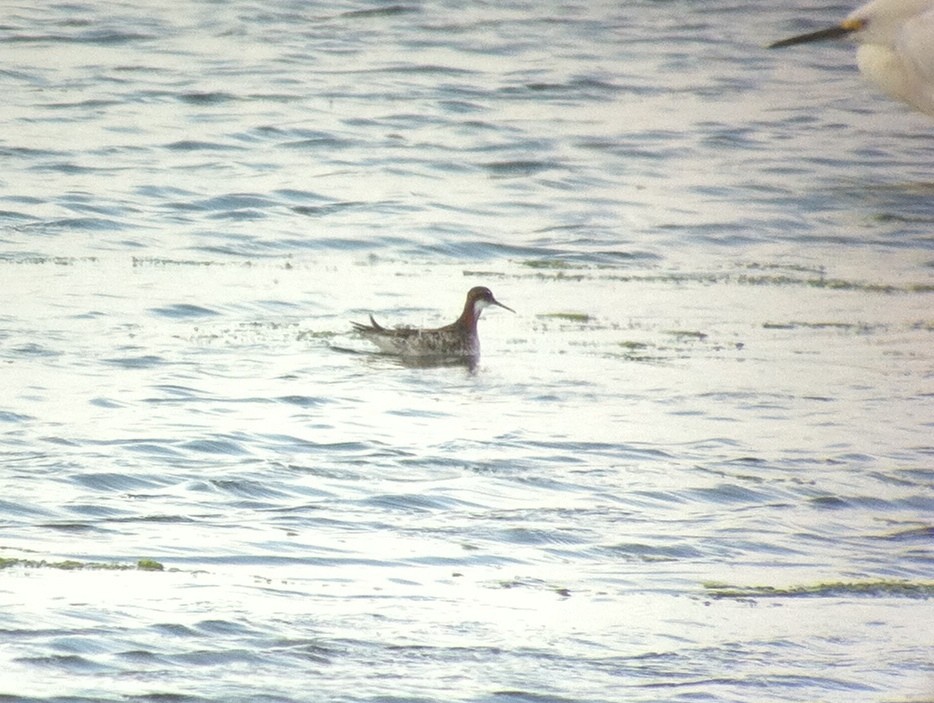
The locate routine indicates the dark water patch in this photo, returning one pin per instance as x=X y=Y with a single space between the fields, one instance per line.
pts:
x=329 y=208
x=410 y=503
x=162 y=450
x=580 y=89
x=656 y=500
x=301 y=401
x=575 y=451
x=217 y=658
x=519 y=696
x=7 y=416
x=228 y=447
x=923 y=503
x=922 y=533
x=22 y=509
x=472 y=556
x=247 y=489
x=730 y=542
x=140 y=657
x=301 y=196
x=298 y=444
x=112 y=481
x=172 y=629
x=388 y=11
x=207 y=98
x=418 y=413
x=79 y=643
x=239 y=215
x=320 y=143
x=224 y=627
x=34 y=349
x=643 y=552
x=4 y=698
x=178 y=392
x=91 y=104
x=62 y=441
x=12 y=218
x=462 y=107
x=181 y=311
x=538 y=536
x=146 y=361
x=74 y=527
x=99 y=512
x=69 y=168
x=418 y=119
x=230 y=202
x=730 y=494
x=155 y=518
x=307 y=650
x=839 y=502
x=69 y=662
x=518 y=167
x=100 y=37
x=191 y=145
x=29 y=155
x=354 y=452
x=162 y=192
x=169 y=698
x=907 y=478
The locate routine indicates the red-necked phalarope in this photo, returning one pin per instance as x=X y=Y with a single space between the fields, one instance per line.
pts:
x=459 y=339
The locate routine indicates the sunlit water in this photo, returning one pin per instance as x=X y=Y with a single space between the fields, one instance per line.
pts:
x=696 y=464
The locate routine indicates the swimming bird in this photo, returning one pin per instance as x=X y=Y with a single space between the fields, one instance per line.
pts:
x=896 y=47
x=458 y=339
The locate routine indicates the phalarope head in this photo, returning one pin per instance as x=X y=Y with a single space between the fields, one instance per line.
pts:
x=481 y=297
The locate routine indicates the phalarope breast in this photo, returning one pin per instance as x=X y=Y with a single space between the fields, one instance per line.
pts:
x=459 y=339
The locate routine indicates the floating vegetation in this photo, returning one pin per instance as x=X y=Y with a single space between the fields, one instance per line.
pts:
x=72 y=565
x=139 y=261
x=655 y=359
x=900 y=589
x=841 y=326
x=569 y=316
x=798 y=268
x=639 y=351
x=790 y=276
x=546 y=264
x=149 y=565
x=687 y=334
x=315 y=334
x=537 y=584
x=159 y=261
x=484 y=274
x=56 y=260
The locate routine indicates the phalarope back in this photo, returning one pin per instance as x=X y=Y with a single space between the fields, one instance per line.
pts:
x=458 y=339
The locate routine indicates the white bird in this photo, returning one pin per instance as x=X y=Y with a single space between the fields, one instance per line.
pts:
x=896 y=47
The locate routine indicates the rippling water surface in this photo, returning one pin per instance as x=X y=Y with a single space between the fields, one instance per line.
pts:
x=695 y=465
